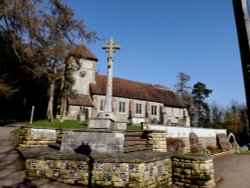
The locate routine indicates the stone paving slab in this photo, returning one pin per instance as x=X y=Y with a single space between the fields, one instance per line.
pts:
x=50 y=153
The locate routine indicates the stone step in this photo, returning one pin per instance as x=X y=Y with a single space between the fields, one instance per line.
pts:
x=134 y=133
x=136 y=148
x=131 y=138
x=55 y=146
x=135 y=143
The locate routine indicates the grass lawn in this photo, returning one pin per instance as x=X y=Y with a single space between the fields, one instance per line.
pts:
x=70 y=124
x=244 y=153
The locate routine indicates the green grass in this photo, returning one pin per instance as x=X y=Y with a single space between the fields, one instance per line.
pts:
x=134 y=128
x=244 y=153
x=71 y=124
x=16 y=131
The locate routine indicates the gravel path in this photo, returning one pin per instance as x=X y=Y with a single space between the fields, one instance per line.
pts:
x=11 y=166
x=232 y=171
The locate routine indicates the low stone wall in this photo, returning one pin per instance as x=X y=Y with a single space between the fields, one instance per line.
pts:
x=206 y=137
x=137 y=169
x=150 y=169
x=34 y=137
x=158 y=141
x=193 y=171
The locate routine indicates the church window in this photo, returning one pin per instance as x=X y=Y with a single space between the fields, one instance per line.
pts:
x=154 y=110
x=138 y=109
x=102 y=104
x=122 y=106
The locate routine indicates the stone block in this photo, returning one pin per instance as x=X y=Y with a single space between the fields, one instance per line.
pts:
x=31 y=172
x=82 y=182
x=82 y=175
x=124 y=167
x=93 y=141
x=120 y=184
x=100 y=123
x=49 y=173
x=66 y=181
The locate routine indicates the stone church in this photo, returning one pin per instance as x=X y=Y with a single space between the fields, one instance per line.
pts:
x=133 y=102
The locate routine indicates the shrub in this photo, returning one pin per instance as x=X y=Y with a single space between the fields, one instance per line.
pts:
x=175 y=145
x=212 y=149
x=195 y=148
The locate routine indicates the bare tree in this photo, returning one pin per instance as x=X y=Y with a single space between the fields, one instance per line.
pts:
x=183 y=89
x=38 y=35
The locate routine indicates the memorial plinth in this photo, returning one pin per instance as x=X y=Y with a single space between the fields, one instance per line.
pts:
x=104 y=133
x=93 y=141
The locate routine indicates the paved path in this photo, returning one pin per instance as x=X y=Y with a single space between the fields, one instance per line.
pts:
x=11 y=166
x=233 y=171
x=12 y=174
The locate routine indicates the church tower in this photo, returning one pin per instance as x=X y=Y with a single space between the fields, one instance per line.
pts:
x=81 y=67
x=84 y=63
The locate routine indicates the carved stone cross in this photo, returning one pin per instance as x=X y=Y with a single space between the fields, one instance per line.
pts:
x=111 y=47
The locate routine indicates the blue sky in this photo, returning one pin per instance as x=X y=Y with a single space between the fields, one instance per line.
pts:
x=161 y=38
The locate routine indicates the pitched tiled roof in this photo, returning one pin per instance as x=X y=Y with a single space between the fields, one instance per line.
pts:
x=137 y=90
x=80 y=100
x=83 y=52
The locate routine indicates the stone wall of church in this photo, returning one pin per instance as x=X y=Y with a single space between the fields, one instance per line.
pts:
x=174 y=116
x=84 y=75
x=131 y=111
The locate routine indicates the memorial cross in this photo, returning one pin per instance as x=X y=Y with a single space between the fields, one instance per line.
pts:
x=110 y=47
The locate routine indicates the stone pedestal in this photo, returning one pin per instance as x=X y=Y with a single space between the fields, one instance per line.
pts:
x=106 y=123
x=93 y=141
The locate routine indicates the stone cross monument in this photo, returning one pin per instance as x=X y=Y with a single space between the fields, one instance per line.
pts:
x=107 y=119
x=110 y=47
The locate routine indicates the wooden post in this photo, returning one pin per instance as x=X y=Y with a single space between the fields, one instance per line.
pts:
x=32 y=114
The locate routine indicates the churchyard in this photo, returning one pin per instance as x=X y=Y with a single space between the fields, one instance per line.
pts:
x=144 y=161
x=103 y=151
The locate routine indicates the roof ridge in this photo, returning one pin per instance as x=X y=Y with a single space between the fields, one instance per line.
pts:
x=83 y=51
x=138 y=82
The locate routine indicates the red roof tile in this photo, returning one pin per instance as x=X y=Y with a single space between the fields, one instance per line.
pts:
x=137 y=90
x=80 y=100
x=83 y=52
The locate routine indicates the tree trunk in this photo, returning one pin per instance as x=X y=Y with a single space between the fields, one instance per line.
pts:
x=63 y=100
x=52 y=93
x=63 y=109
x=51 y=101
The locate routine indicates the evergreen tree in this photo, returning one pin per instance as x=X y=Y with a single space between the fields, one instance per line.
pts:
x=200 y=109
x=217 y=116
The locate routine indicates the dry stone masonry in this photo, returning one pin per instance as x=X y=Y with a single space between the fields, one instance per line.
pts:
x=140 y=169
x=158 y=141
x=193 y=171
x=144 y=168
x=31 y=137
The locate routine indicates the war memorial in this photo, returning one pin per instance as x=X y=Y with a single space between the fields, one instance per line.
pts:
x=107 y=155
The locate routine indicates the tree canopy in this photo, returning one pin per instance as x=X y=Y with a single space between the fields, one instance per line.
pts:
x=36 y=38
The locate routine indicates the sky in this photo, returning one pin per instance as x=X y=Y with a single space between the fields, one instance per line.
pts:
x=161 y=38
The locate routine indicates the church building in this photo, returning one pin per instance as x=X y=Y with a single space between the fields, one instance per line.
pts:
x=132 y=102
